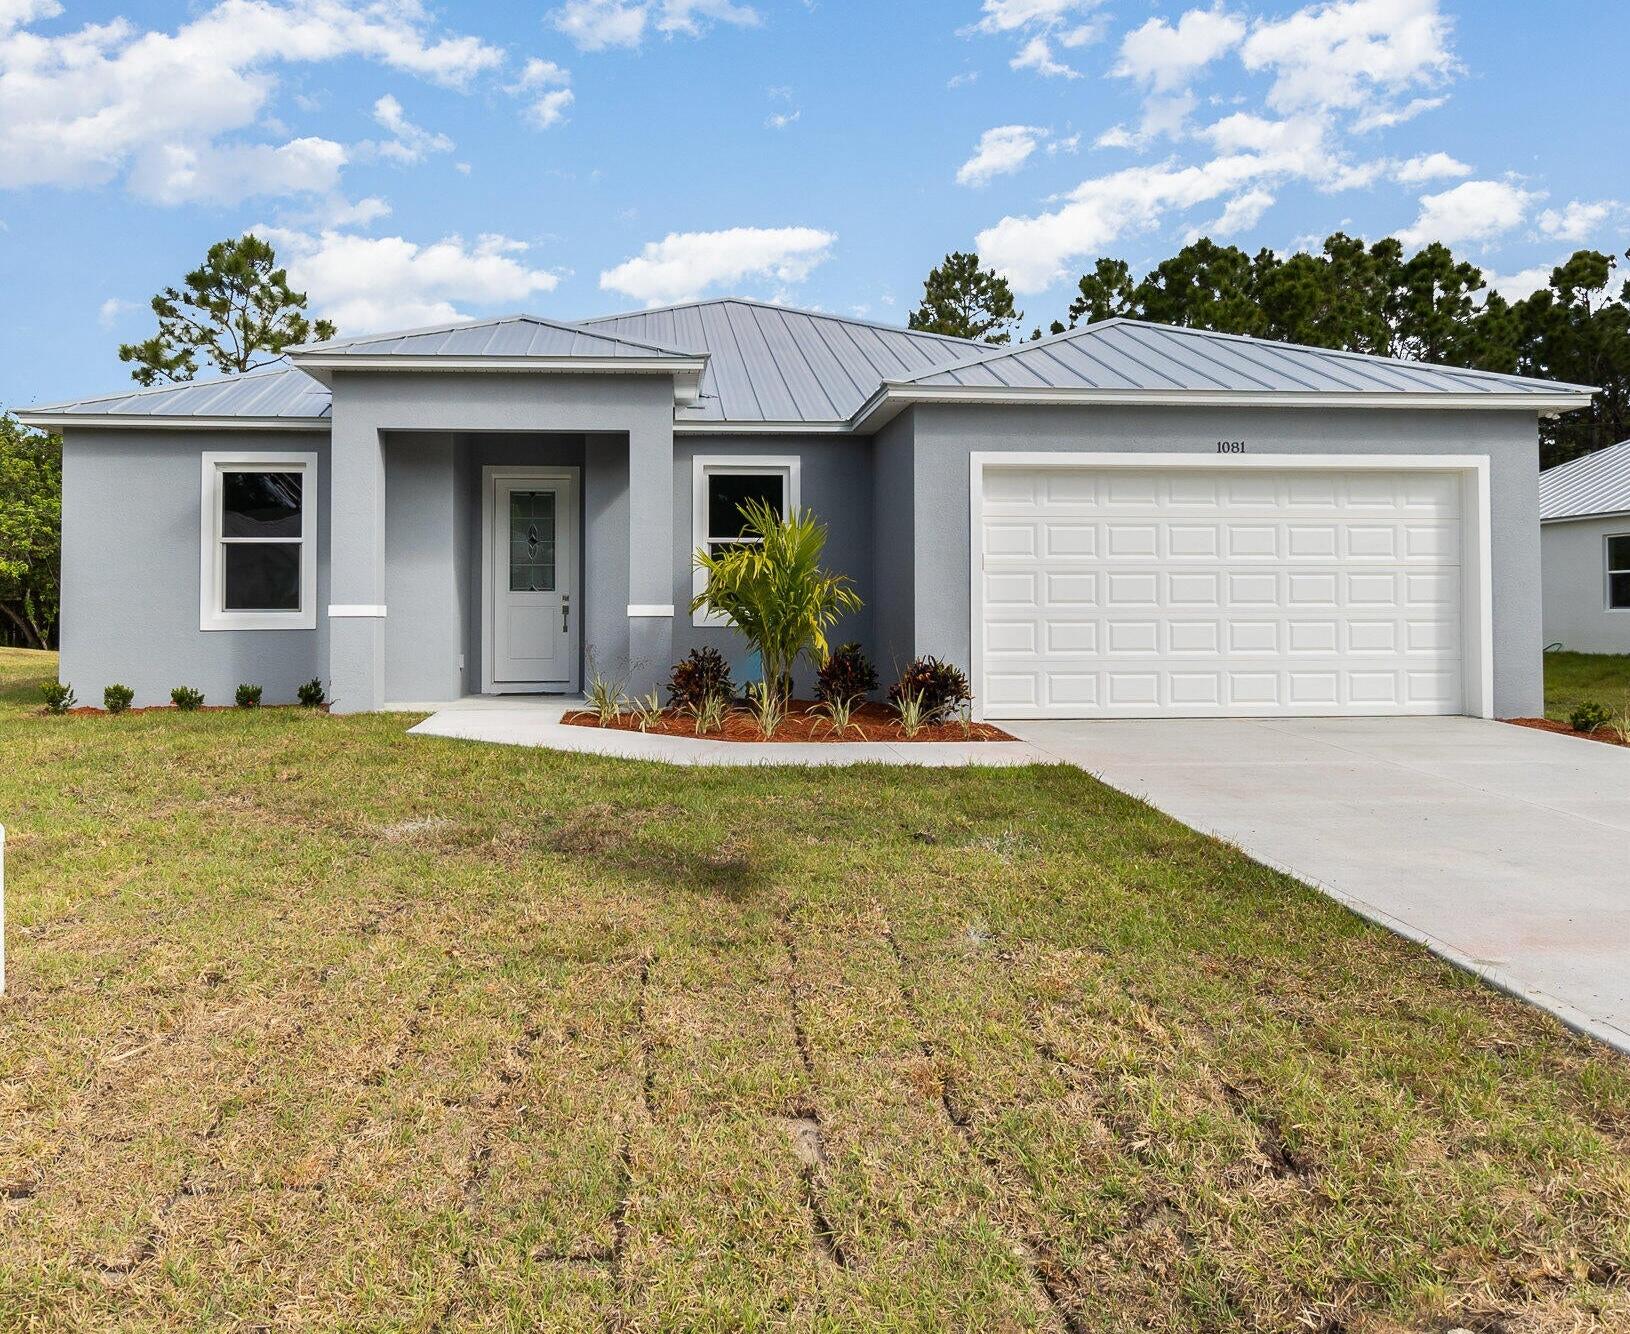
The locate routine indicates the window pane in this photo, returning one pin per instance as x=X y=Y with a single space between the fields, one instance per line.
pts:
x=726 y=494
x=531 y=541
x=1618 y=554
x=262 y=576
x=260 y=504
x=1618 y=592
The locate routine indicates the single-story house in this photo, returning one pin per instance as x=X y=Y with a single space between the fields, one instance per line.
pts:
x=1584 y=510
x=1124 y=520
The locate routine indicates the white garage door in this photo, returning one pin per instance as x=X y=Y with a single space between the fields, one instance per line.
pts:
x=1133 y=592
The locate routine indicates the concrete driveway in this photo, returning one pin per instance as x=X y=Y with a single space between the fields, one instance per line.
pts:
x=1504 y=849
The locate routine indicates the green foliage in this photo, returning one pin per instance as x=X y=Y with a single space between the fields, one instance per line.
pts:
x=606 y=694
x=30 y=532
x=247 y=697
x=58 y=696
x=965 y=301
x=187 y=699
x=913 y=713
x=837 y=713
x=774 y=588
x=312 y=693
x=648 y=710
x=1588 y=717
x=938 y=687
x=769 y=708
x=116 y=698
x=236 y=309
x=710 y=712
x=847 y=676
x=700 y=673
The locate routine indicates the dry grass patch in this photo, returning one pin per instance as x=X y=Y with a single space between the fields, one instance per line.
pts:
x=316 y=1025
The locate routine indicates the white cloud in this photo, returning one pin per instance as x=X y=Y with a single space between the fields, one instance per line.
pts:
x=1038 y=24
x=779 y=120
x=1001 y=151
x=1578 y=221
x=1385 y=117
x=365 y=284
x=1005 y=16
x=90 y=105
x=545 y=109
x=549 y=110
x=1166 y=58
x=687 y=16
x=108 y=313
x=408 y=142
x=1523 y=283
x=1472 y=211
x=1037 y=55
x=345 y=213
x=683 y=265
x=1070 y=143
x=1429 y=167
x=596 y=25
x=963 y=80
x=17 y=13
x=1240 y=214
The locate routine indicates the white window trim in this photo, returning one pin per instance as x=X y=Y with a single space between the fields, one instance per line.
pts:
x=211 y=581
x=787 y=466
x=1608 y=572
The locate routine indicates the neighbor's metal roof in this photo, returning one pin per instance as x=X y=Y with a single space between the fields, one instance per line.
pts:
x=775 y=364
x=278 y=391
x=505 y=336
x=1123 y=354
x=1599 y=483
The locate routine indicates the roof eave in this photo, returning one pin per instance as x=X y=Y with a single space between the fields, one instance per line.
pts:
x=47 y=420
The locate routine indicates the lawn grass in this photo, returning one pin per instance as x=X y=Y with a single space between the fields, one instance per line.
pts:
x=1572 y=679
x=312 y=1024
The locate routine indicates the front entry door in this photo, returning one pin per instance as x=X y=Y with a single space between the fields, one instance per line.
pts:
x=531 y=577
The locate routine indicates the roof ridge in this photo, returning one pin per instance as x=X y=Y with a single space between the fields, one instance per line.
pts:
x=279 y=365
x=999 y=351
x=492 y=321
x=785 y=310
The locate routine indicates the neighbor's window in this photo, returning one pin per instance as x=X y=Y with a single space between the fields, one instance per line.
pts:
x=259 y=562
x=722 y=486
x=1618 y=573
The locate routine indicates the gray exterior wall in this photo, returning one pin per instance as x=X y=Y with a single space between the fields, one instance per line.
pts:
x=131 y=507
x=945 y=436
x=1573 y=554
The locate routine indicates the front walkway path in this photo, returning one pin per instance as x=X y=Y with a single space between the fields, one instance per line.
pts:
x=1503 y=849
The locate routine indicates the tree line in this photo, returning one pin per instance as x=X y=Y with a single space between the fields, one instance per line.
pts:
x=1371 y=298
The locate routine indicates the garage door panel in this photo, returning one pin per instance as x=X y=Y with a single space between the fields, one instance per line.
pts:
x=1140 y=592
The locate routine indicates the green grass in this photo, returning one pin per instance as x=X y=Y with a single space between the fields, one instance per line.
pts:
x=312 y=1024
x=1572 y=679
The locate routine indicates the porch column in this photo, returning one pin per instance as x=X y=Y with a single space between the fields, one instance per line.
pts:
x=356 y=544
x=651 y=577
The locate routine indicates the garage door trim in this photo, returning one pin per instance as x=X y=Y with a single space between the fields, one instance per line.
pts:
x=1477 y=555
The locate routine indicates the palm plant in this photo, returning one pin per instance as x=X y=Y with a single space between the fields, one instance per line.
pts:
x=772 y=586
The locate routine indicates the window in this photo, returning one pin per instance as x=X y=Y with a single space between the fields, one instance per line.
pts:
x=721 y=486
x=258 y=567
x=1618 y=572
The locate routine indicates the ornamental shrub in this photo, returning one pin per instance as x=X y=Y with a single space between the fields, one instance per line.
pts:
x=187 y=699
x=248 y=697
x=846 y=676
x=942 y=689
x=116 y=698
x=312 y=693
x=1587 y=717
x=58 y=696
x=700 y=674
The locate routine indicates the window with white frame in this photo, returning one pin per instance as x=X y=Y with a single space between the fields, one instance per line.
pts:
x=258 y=566
x=721 y=486
x=1618 y=572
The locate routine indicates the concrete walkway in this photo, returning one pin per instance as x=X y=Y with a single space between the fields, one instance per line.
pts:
x=1505 y=850
x=512 y=721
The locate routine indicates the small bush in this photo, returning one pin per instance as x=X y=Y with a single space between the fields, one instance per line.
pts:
x=1588 y=717
x=940 y=688
x=837 y=716
x=699 y=674
x=187 y=699
x=58 y=696
x=846 y=676
x=116 y=698
x=312 y=693
x=910 y=708
x=648 y=709
x=248 y=697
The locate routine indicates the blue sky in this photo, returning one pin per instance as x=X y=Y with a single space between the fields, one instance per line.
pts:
x=415 y=162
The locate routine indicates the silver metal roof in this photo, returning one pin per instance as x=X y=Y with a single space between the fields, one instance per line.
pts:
x=505 y=336
x=1123 y=354
x=278 y=391
x=775 y=364
x=1599 y=483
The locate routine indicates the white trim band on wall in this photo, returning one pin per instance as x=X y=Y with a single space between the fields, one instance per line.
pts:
x=651 y=609
x=357 y=610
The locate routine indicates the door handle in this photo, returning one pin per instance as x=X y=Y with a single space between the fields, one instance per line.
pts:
x=565 y=613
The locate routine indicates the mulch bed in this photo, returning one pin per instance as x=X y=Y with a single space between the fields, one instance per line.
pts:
x=874 y=722
x=1603 y=733
x=91 y=711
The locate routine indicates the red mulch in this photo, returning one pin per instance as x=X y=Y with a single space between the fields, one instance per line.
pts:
x=1603 y=733
x=875 y=723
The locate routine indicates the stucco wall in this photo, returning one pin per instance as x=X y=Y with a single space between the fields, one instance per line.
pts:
x=894 y=536
x=131 y=514
x=1573 y=557
x=944 y=437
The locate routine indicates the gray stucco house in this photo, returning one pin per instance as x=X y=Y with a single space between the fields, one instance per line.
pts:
x=1123 y=520
x=1584 y=509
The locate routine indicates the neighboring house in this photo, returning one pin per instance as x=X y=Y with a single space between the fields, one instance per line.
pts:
x=1584 y=508
x=1122 y=520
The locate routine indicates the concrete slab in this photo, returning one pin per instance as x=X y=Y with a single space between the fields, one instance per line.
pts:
x=537 y=722
x=1504 y=849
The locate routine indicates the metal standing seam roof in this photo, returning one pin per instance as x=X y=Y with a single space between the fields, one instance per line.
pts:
x=278 y=391
x=505 y=336
x=1599 y=483
x=1130 y=355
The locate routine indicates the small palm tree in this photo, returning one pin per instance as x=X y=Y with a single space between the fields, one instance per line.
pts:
x=774 y=589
